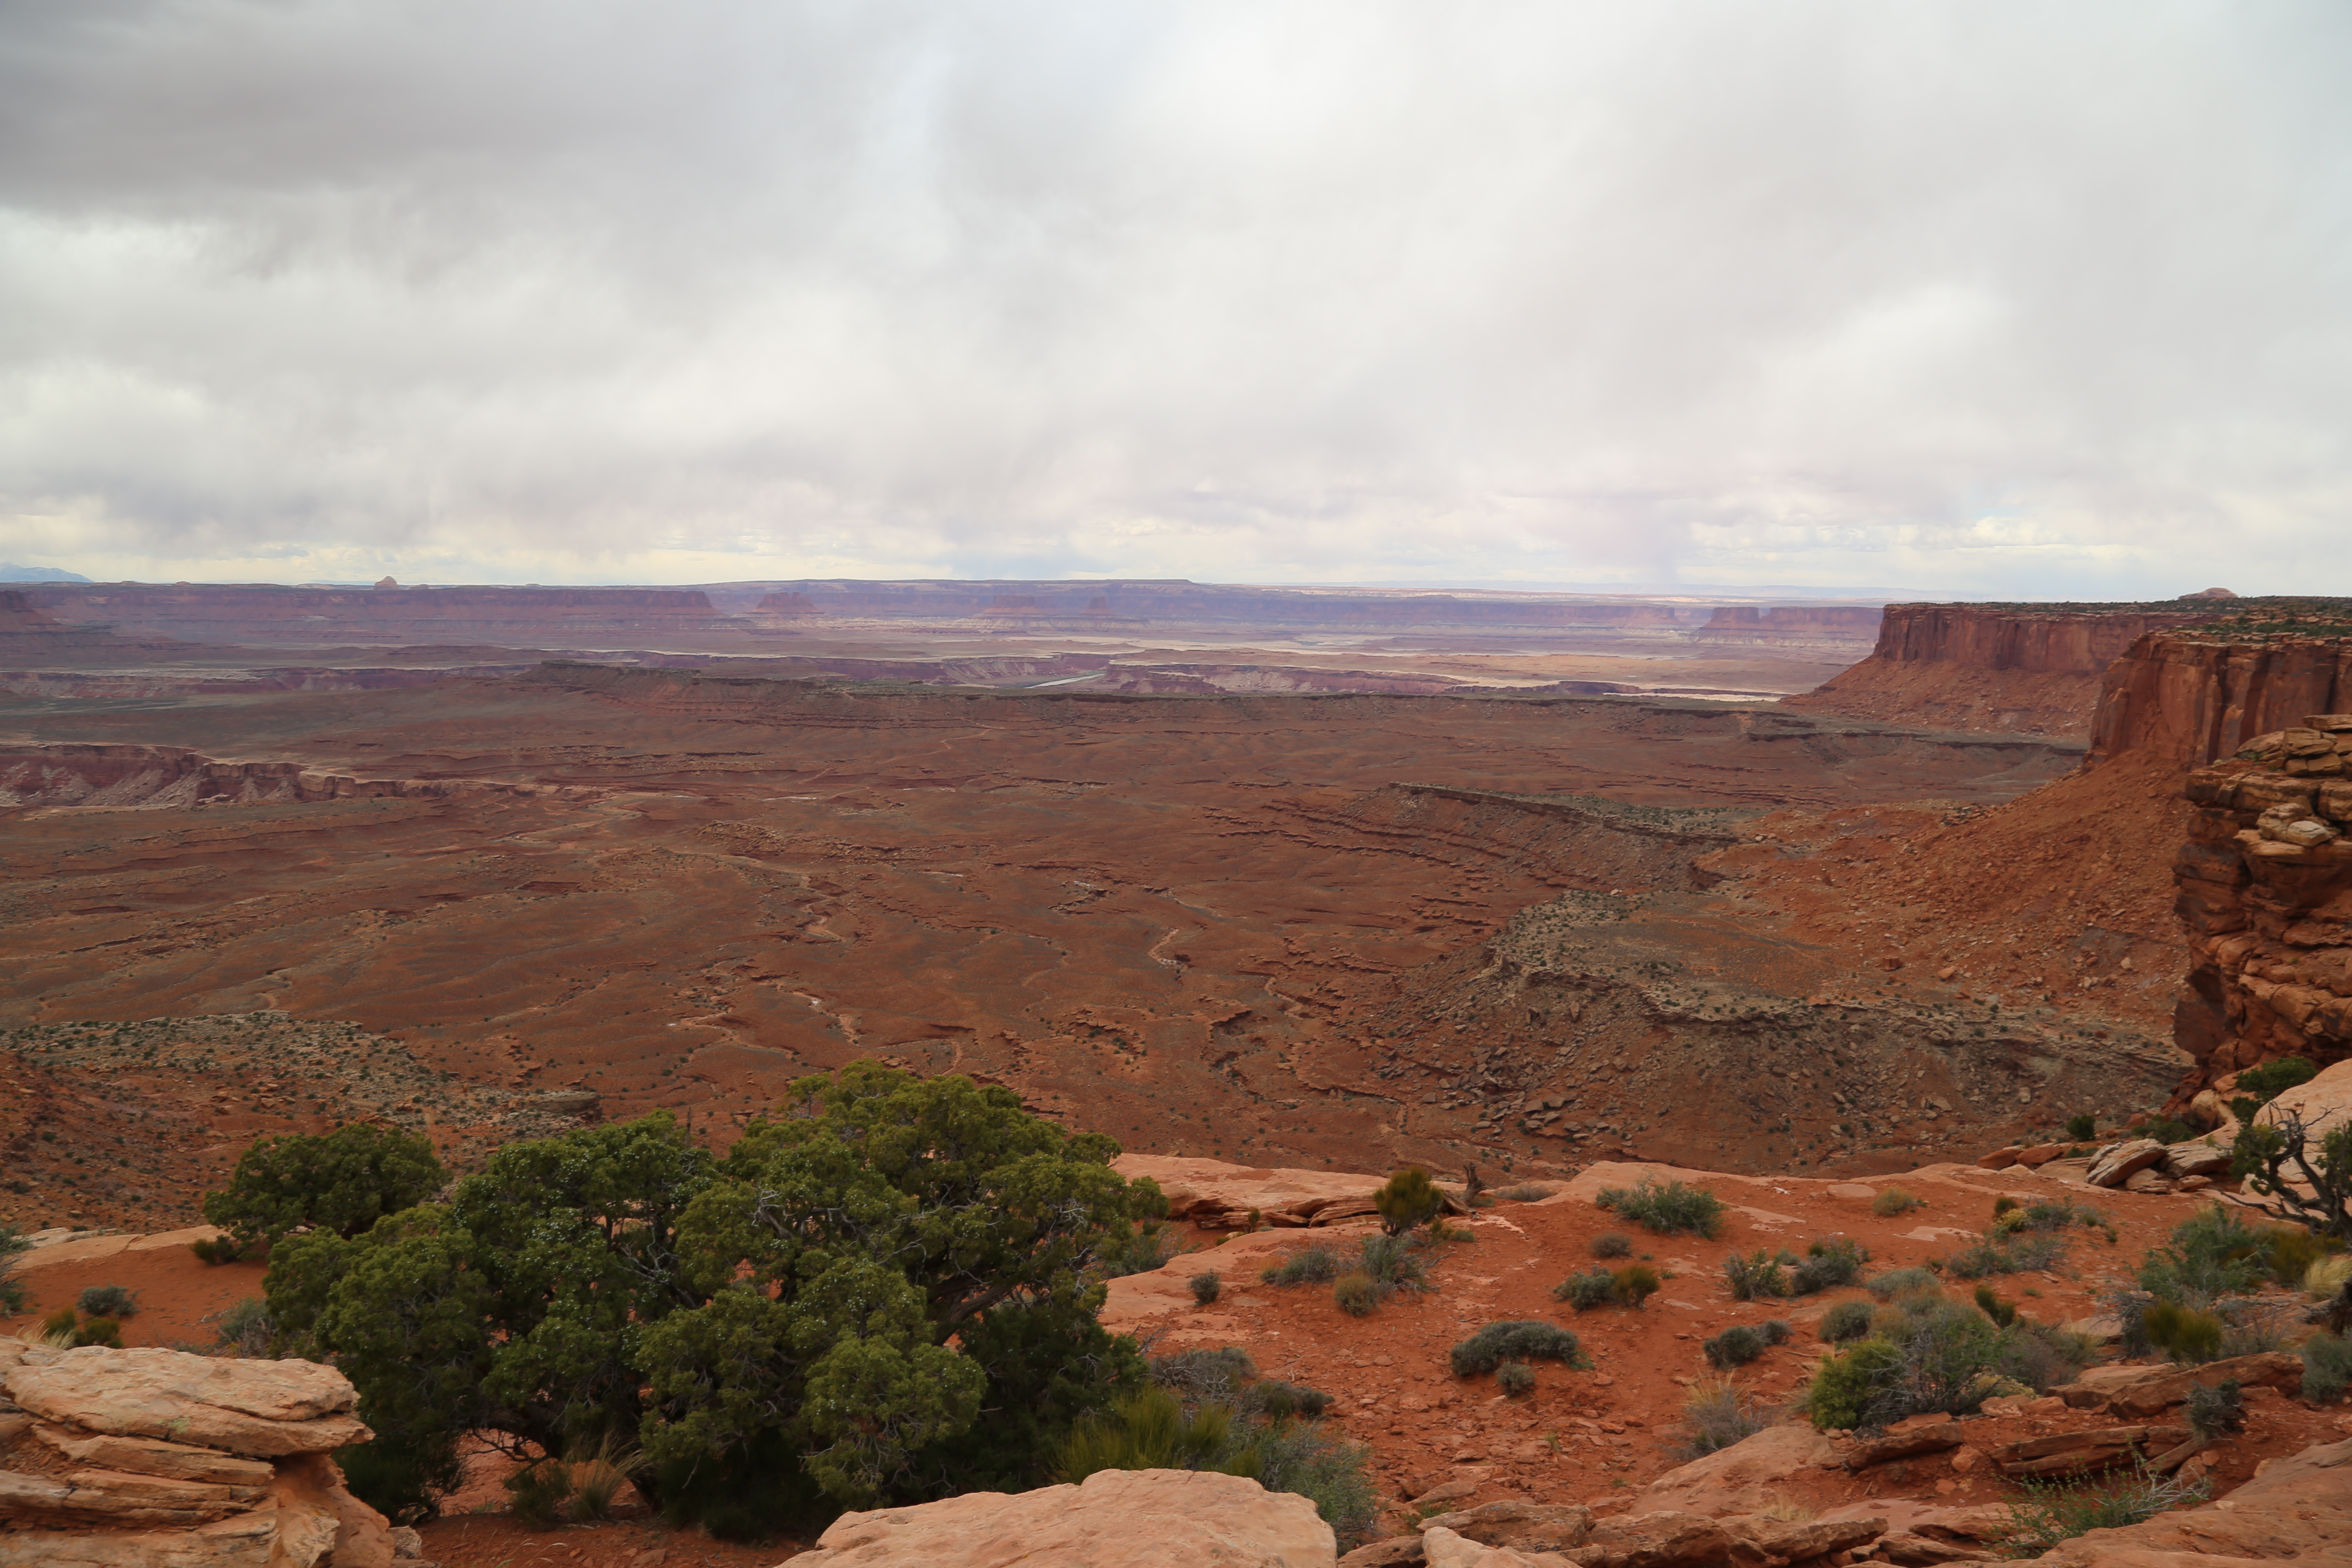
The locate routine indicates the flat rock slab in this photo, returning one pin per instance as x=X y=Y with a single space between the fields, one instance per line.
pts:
x=1114 y=1518
x=264 y=1409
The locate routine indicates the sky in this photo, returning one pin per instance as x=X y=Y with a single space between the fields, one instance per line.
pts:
x=1983 y=299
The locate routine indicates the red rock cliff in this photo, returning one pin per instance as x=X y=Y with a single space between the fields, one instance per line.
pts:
x=2029 y=667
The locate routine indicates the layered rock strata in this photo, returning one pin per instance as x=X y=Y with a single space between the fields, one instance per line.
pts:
x=2265 y=890
x=156 y=1457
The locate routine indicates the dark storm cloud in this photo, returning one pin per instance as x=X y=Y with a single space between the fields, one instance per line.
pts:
x=1999 y=296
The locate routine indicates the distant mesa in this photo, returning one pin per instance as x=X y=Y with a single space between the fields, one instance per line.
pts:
x=11 y=572
x=386 y=583
x=2211 y=593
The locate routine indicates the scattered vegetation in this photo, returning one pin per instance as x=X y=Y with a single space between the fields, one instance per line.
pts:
x=2007 y=1252
x=1207 y=1286
x=1758 y=1275
x=1612 y=1243
x=107 y=1302
x=12 y=1290
x=1716 y=1415
x=1927 y=1353
x=1408 y=1200
x=1384 y=1265
x=1524 y=1192
x=1892 y=1202
x=341 y=1182
x=1762 y=1276
x=1902 y=1282
x=2051 y=1512
x=242 y=1328
x=1846 y=1321
x=1666 y=1210
x=1519 y=1339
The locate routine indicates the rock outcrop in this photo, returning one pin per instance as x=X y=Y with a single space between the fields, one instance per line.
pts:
x=2265 y=890
x=111 y=1458
x=2033 y=668
x=1114 y=1518
x=2294 y=1511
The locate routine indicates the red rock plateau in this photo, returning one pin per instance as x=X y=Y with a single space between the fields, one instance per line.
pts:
x=2034 y=669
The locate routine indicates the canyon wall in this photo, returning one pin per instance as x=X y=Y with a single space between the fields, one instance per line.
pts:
x=2033 y=668
x=2192 y=697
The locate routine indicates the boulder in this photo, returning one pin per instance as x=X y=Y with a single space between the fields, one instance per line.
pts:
x=1794 y=1540
x=1442 y=1548
x=1114 y=1518
x=2079 y=1453
x=1915 y=1550
x=311 y=1487
x=2198 y=1159
x=240 y=1540
x=1522 y=1525
x=1215 y=1195
x=264 y=1409
x=1665 y=1540
x=1917 y=1435
x=1396 y=1551
x=2114 y=1165
x=2159 y=1388
x=1741 y=1478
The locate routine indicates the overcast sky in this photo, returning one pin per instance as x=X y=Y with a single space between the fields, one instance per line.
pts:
x=1995 y=298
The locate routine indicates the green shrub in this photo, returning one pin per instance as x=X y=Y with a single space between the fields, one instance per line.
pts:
x=2184 y=1333
x=2057 y=1213
x=1316 y=1265
x=1675 y=1206
x=1893 y=1201
x=1520 y=1340
x=1775 y=1331
x=216 y=1249
x=107 y=1302
x=2081 y=1126
x=1205 y=1374
x=59 y=1324
x=2257 y=1087
x=1584 y=1292
x=1146 y=1431
x=1206 y=1288
x=2016 y=1252
x=2327 y=1367
x=1152 y=1246
x=2002 y=1312
x=1758 y=1275
x=2041 y=1356
x=403 y=1484
x=1514 y=1378
x=2217 y=1411
x=100 y=1331
x=1407 y=1200
x=2210 y=1255
x=342 y=1181
x=244 y=1328
x=1846 y=1321
x=1524 y=1193
x=539 y=1494
x=2002 y=1204
x=1897 y=1282
x=1734 y=1346
x=2051 y=1512
x=1612 y=1243
x=1634 y=1285
x=1309 y=1459
x=1279 y=1401
x=1716 y=1415
x=12 y=1290
x=2289 y=1251
x=1355 y=1294
x=1828 y=1265
x=1394 y=1263
x=1848 y=1386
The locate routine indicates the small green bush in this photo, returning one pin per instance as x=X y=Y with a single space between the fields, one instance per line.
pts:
x=107 y=1302
x=216 y=1249
x=1355 y=1294
x=2057 y=1213
x=61 y=1322
x=1716 y=1415
x=1634 y=1285
x=1587 y=1289
x=1152 y=1246
x=2081 y=1125
x=1280 y=1401
x=1775 y=1331
x=1612 y=1243
x=2184 y=1333
x=1668 y=1208
x=1736 y=1346
x=1207 y=1287
x=2015 y=1252
x=2210 y=1255
x=2002 y=1204
x=2257 y=1087
x=1395 y=1263
x=2290 y=1251
x=1846 y=1321
x=1215 y=1375
x=1524 y=1193
x=1408 y=1201
x=2327 y=1367
x=1846 y=1386
x=1316 y=1265
x=1894 y=1200
x=1758 y=1276
x=539 y=1494
x=100 y=1331
x=244 y=1328
x=2051 y=1512
x=1828 y=1264
x=1519 y=1339
x=1897 y=1282
x=2002 y=1312
x=2217 y=1411
x=1149 y=1431
x=1514 y=1378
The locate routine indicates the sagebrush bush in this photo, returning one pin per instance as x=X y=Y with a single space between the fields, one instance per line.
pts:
x=1734 y=1346
x=1395 y=1263
x=1514 y=1378
x=1775 y=1331
x=1524 y=1193
x=1213 y=1375
x=1716 y=1415
x=1828 y=1264
x=1586 y=1290
x=1278 y=1400
x=2057 y=1213
x=1316 y=1265
x=1355 y=1294
x=1758 y=1276
x=107 y=1302
x=216 y=1249
x=1848 y=1386
x=1668 y=1208
x=1206 y=1288
x=2210 y=1255
x=1522 y=1339
x=2327 y=1367
x=2217 y=1411
x=2012 y=1252
x=1893 y=1201
x=1897 y=1282
x=1612 y=1243
x=98 y=1331
x=1846 y=1321
x=243 y=1327
x=2184 y=1333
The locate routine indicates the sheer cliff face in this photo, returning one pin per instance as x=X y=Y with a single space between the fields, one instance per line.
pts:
x=2264 y=879
x=2035 y=669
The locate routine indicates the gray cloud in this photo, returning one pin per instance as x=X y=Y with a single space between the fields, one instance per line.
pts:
x=1991 y=296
